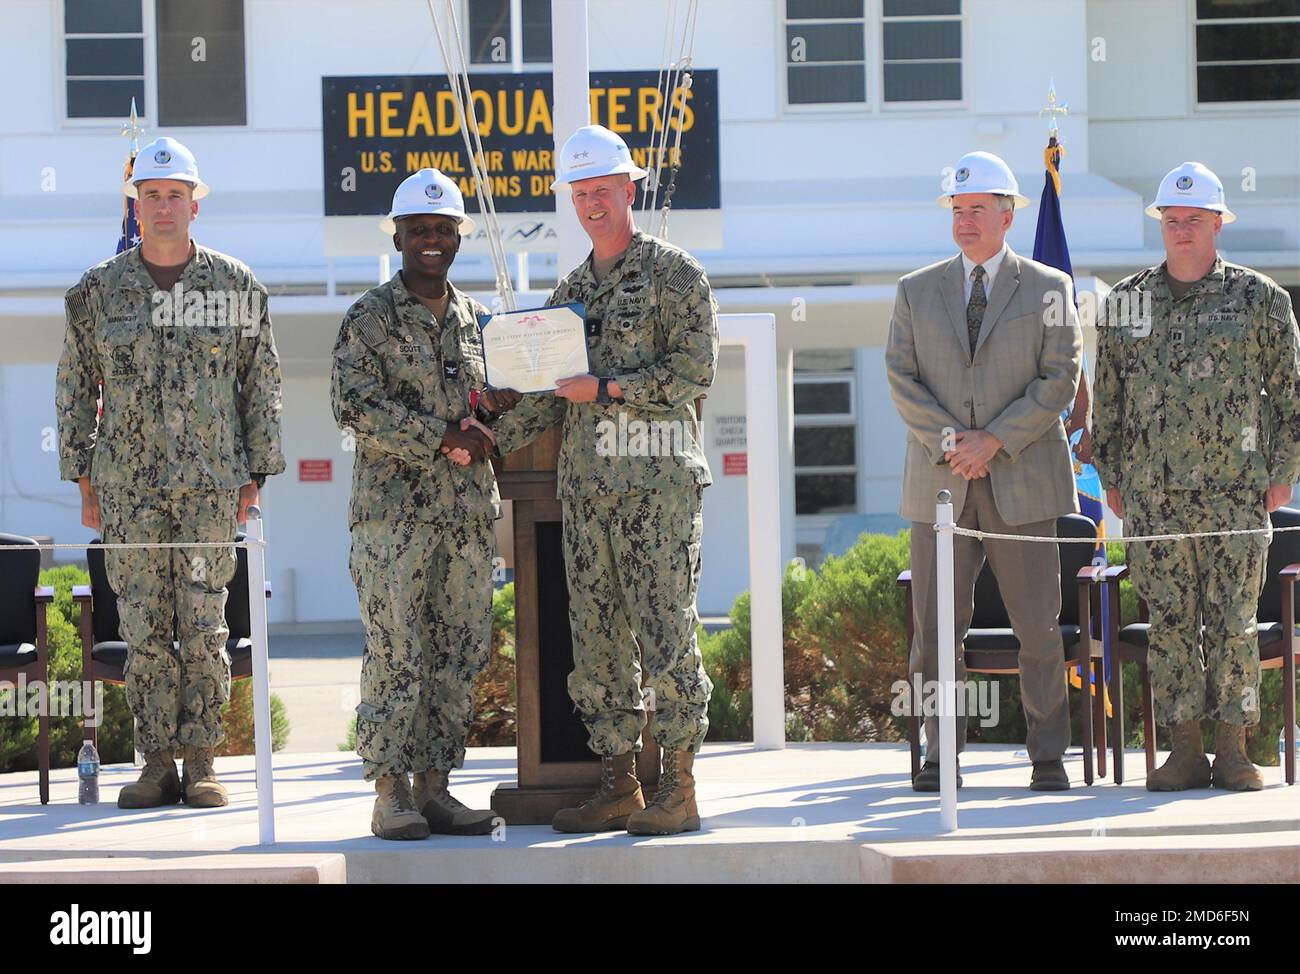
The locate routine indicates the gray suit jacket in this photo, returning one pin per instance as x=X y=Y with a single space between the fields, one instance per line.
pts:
x=1023 y=374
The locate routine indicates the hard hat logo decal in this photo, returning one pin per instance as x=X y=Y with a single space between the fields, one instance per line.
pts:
x=963 y=174
x=433 y=192
x=1184 y=182
x=580 y=155
x=162 y=157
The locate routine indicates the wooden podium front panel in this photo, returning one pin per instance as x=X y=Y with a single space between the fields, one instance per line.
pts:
x=556 y=767
x=552 y=738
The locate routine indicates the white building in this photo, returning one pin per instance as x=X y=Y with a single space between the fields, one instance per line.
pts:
x=837 y=118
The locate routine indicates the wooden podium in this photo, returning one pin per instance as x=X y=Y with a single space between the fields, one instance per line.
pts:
x=556 y=768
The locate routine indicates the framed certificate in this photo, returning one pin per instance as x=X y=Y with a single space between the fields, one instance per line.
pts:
x=530 y=351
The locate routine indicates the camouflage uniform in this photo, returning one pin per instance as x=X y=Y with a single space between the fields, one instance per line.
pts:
x=191 y=411
x=631 y=495
x=1192 y=422
x=422 y=540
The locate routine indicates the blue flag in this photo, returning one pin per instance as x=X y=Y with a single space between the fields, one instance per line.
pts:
x=1051 y=248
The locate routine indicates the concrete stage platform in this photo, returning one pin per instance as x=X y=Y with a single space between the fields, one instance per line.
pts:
x=816 y=813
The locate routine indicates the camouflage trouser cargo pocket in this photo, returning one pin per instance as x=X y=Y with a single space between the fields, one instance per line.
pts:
x=425 y=594
x=172 y=608
x=634 y=566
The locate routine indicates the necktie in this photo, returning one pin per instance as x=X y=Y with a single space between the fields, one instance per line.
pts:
x=975 y=308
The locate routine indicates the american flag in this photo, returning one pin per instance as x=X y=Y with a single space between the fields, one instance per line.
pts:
x=130 y=236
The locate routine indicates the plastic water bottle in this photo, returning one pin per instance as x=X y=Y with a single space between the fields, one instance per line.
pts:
x=88 y=772
x=1281 y=750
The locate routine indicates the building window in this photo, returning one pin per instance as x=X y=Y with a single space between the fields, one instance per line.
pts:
x=489 y=31
x=200 y=63
x=1247 y=50
x=199 y=47
x=921 y=50
x=825 y=52
x=825 y=433
x=103 y=57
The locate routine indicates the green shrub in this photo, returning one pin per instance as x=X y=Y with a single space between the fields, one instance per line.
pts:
x=237 y=720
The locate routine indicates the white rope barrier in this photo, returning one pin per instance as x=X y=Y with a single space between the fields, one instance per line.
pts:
x=944 y=582
x=248 y=543
x=1226 y=532
x=261 y=649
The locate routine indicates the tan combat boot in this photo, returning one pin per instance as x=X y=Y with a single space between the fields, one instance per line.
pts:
x=1233 y=769
x=618 y=796
x=1187 y=766
x=673 y=809
x=158 y=784
x=445 y=815
x=395 y=815
x=199 y=779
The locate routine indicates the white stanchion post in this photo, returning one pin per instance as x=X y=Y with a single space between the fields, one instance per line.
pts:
x=947 y=665
x=757 y=333
x=261 y=678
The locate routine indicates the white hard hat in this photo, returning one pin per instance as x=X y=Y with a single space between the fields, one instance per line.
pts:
x=982 y=172
x=1191 y=184
x=427 y=193
x=165 y=158
x=594 y=151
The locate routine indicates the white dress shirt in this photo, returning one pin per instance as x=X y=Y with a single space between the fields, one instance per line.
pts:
x=990 y=271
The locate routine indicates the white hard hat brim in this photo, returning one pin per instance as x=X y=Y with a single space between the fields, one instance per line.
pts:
x=1154 y=209
x=466 y=225
x=201 y=189
x=946 y=200
x=633 y=170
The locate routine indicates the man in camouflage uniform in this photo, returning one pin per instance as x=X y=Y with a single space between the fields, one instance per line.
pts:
x=1197 y=428
x=631 y=475
x=407 y=363
x=176 y=339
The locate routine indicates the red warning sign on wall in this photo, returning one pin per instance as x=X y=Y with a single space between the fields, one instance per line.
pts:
x=735 y=464
x=315 y=471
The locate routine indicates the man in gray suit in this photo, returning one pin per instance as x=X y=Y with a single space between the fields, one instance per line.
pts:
x=984 y=352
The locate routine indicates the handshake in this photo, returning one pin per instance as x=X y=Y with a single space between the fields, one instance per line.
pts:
x=470 y=441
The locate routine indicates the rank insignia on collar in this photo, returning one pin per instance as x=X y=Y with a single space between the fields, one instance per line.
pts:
x=1176 y=336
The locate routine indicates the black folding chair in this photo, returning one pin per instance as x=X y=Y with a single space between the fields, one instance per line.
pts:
x=103 y=651
x=991 y=645
x=23 y=645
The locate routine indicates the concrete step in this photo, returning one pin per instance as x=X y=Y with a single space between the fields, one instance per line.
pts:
x=268 y=869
